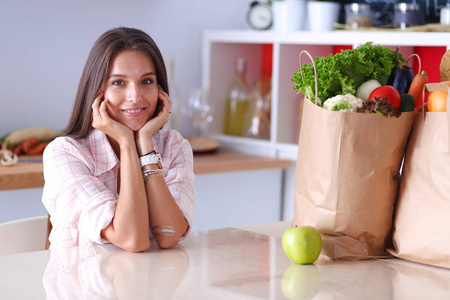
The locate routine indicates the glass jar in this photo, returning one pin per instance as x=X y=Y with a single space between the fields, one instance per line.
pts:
x=358 y=15
x=445 y=15
x=259 y=110
x=407 y=15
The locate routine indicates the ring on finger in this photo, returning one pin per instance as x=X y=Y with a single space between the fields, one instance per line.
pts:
x=96 y=114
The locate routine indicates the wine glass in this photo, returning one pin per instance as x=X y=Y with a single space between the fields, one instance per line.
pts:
x=199 y=110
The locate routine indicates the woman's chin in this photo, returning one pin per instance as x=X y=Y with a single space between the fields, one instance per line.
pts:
x=135 y=127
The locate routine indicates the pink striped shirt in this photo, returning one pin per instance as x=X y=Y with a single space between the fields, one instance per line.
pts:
x=80 y=191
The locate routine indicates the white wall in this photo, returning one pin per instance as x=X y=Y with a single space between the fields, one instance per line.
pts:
x=44 y=45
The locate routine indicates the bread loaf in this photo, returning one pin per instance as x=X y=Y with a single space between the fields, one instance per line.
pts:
x=445 y=66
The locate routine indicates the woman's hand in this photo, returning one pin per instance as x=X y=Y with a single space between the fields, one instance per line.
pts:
x=144 y=135
x=102 y=121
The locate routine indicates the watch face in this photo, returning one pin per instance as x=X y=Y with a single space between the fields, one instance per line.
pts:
x=260 y=16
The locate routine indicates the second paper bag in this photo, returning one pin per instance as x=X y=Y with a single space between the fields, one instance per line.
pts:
x=347 y=179
x=422 y=222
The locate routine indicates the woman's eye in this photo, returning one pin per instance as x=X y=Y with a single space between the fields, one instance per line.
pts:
x=147 y=81
x=117 y=82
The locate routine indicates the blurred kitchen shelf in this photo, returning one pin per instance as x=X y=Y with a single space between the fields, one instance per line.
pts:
x=221 y=49
x=338 y=37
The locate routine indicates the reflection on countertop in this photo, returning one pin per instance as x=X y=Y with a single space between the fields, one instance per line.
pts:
x=226 y=263
x=107 y=272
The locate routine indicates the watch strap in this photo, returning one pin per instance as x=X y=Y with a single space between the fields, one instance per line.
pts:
x=151 y=152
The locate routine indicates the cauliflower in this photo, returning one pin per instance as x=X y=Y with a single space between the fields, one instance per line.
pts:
x=343 y=103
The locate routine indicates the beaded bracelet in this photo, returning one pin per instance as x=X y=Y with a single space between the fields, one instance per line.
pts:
x=152 y=171
x=149 y=174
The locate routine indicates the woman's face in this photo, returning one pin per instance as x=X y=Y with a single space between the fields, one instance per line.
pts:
x=131 y=88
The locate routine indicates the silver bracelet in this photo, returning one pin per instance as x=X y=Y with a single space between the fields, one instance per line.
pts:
x=149 y=174
x=151 y=171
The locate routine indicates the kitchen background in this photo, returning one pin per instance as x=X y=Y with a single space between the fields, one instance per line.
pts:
x=44 y=45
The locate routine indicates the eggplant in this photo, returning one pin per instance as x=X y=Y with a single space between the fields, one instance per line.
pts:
x=401 y=76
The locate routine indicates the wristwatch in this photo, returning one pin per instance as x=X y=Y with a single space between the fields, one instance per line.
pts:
x=149 y=159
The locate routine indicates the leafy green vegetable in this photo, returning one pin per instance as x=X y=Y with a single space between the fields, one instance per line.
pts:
x=3 y=138
x=344 y=72
x=379 y=106
x=341 y=104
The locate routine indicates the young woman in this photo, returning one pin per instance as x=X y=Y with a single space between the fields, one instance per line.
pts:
x=116 y=176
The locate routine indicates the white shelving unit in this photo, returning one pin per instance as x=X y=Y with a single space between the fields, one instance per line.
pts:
x=222 y=48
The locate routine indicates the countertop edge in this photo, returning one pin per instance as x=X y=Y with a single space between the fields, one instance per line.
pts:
x=30 y=174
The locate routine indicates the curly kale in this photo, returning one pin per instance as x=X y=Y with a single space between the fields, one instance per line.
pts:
x=380 y=106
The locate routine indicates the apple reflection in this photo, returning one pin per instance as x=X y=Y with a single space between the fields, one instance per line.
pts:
x=108 y=272
x=301 y=281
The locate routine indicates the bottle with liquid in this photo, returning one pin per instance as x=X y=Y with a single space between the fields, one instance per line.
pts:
x=238 y=101
x=259 y=110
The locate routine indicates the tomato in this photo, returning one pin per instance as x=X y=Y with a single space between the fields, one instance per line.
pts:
x=389 y=92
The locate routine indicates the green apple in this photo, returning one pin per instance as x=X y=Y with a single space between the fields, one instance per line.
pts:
x=302 y=244
x=301 y=282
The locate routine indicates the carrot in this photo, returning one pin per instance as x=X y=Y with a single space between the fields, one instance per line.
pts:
x=18 y=150
x=38 y=149
x=417 y=86
x=30 y=143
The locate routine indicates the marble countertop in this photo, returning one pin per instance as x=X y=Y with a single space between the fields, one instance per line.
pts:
x=230 y=263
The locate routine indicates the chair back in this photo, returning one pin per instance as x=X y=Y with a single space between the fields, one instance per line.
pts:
x=23 y=235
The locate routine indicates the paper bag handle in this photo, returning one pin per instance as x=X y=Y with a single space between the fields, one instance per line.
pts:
x=315 y=71
x=418 y=58
x=418 y=72
x=423 y=91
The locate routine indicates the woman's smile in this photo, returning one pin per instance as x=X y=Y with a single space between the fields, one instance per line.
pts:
x=134 y=112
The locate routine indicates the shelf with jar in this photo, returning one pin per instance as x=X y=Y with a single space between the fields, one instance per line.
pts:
x=222 y=49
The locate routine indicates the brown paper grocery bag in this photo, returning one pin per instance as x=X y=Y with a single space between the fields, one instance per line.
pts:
x=346 y=179
x=422 y=221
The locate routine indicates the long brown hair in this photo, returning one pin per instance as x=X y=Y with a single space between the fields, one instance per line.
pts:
x=95 y=71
